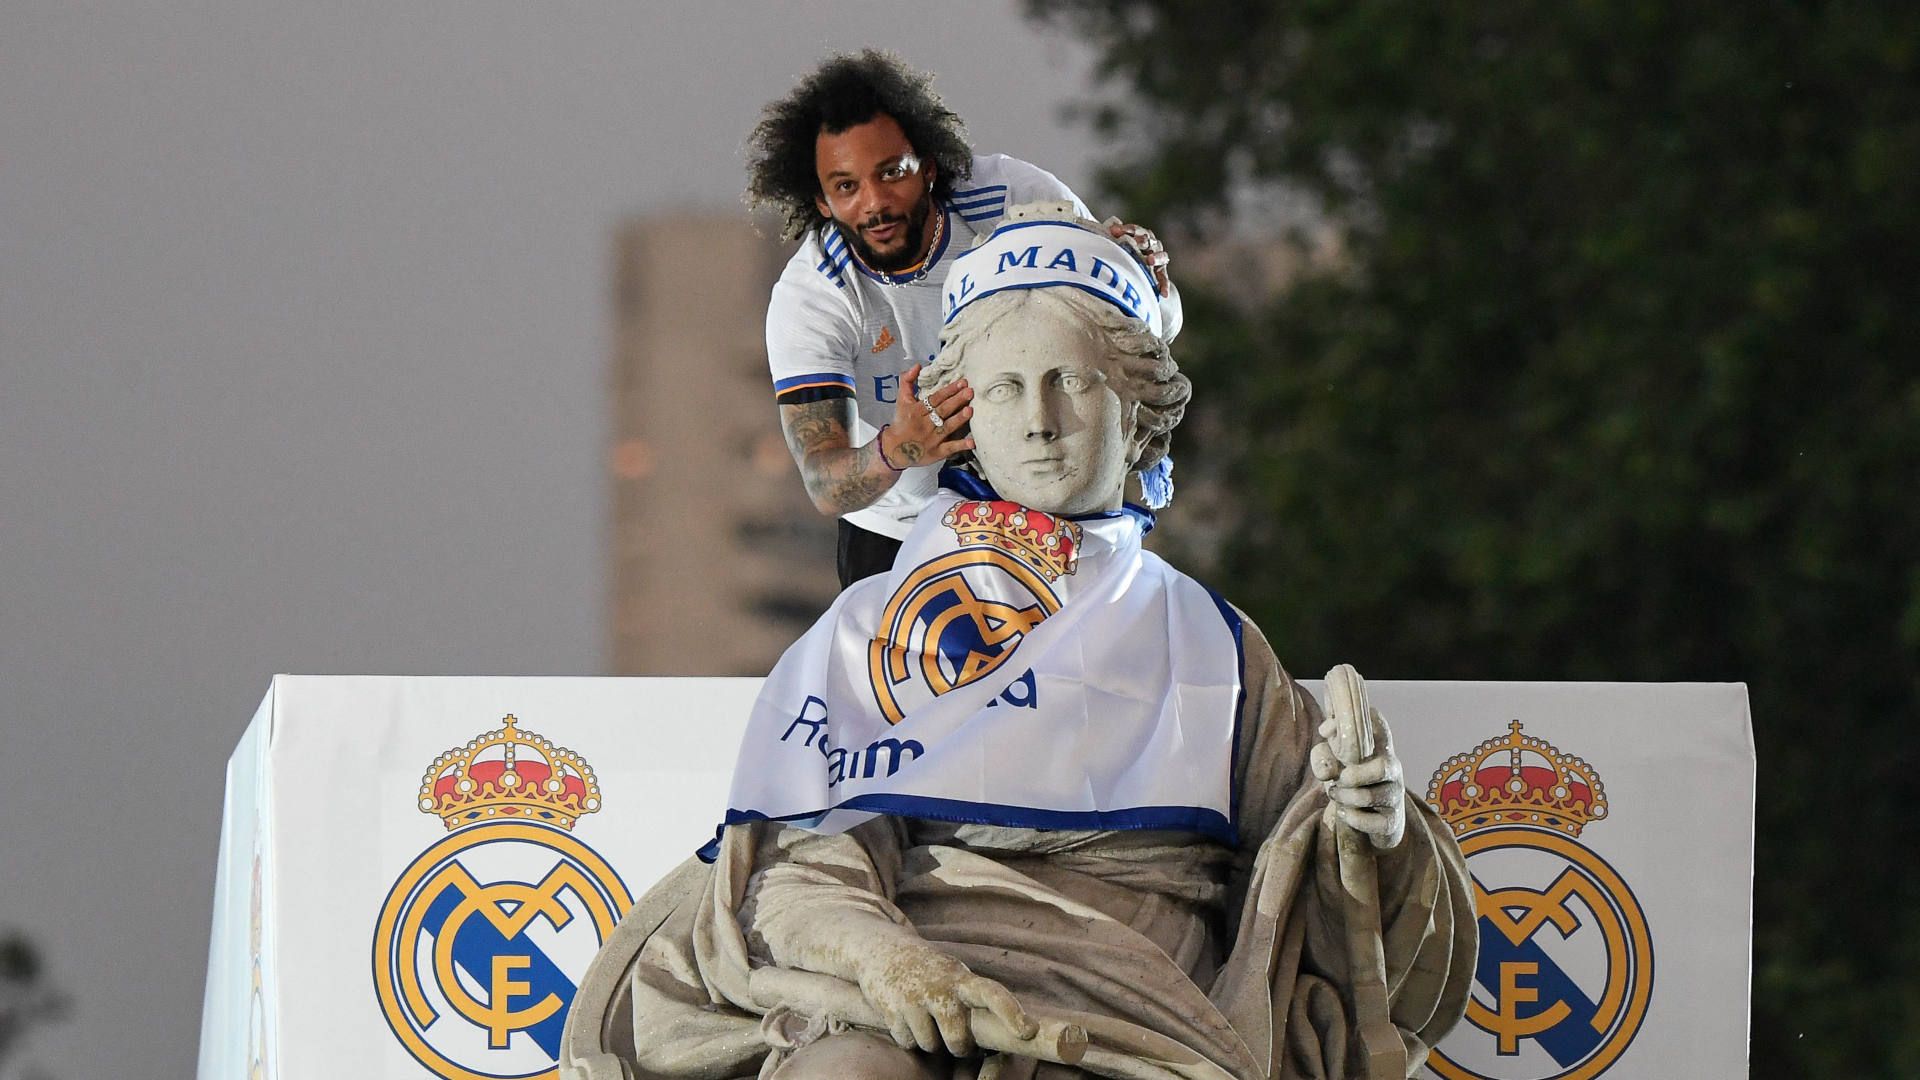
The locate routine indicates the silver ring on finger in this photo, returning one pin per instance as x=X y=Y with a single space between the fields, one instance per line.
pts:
x=933 y=415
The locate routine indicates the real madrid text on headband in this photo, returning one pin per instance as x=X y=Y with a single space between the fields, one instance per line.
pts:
x=1047 y=253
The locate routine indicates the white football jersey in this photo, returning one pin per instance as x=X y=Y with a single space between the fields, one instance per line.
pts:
x=836 y=328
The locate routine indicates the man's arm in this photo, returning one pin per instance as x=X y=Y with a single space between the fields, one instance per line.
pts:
x=842 y=477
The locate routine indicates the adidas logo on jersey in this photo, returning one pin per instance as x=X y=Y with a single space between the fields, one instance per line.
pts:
x=884 y=341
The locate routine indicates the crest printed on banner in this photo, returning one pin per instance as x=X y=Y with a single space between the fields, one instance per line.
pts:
x=960 y=616
x=1565 y=971
x=483 y=940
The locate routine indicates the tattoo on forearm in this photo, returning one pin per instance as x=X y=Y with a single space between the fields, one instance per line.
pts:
x=814 y=426
x=839 y=476
x=857 y=486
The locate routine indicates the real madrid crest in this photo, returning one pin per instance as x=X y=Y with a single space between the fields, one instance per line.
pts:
x=1565 y=970
x=482 y=941
x=959 y=617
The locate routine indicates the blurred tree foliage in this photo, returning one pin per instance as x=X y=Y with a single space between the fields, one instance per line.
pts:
x=1616 y=375
x=26 y=999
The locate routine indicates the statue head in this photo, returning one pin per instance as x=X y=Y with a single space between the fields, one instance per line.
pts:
x=1056 y=329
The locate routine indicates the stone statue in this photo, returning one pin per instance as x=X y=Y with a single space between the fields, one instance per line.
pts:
x=1035 y=804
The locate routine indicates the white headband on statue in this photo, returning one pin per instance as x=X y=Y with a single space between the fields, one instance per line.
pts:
x=1039 y=254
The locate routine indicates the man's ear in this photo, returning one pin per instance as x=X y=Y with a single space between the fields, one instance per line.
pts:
x=820 y=204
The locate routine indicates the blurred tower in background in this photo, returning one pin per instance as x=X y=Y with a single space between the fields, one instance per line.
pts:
x=719 y=561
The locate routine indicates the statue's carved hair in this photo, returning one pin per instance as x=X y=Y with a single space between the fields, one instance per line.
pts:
x=1143 y=369
x=847 y=90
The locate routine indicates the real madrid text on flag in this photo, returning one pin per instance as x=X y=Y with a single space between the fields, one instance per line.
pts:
x=390 y=904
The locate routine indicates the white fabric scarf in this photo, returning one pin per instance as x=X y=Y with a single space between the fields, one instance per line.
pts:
x=1105 y=698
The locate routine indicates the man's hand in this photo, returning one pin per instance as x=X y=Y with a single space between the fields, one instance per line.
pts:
x=926 y=995
x=1368 y=795
x=1147 y=246
x=929 y=429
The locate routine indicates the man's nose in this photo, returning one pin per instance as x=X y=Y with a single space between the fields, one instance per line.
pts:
x=871 y=201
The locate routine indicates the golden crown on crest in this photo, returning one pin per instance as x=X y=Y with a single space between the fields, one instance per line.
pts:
x=1517 y=780
x=509 y=775
x=1049 y=544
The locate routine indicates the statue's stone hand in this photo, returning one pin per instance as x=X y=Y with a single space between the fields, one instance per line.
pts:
x=1369 y=795
x=926 y=996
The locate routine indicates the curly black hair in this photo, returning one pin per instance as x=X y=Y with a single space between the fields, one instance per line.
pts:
x=846 y=90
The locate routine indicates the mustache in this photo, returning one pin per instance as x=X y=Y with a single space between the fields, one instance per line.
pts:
x=882 y=220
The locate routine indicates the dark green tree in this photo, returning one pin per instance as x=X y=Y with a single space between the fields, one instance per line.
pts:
x=26 y=999
x=1614 y=374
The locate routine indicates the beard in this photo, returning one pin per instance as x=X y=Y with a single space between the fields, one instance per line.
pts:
x=912 y=237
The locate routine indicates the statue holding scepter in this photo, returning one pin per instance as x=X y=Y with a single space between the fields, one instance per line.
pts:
x=1035 y=803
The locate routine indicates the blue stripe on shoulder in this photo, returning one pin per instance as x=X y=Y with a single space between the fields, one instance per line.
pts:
x=834 y=272
x=976 y=203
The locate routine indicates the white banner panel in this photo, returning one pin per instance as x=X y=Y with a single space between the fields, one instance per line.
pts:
x=233 y=1033
x=1615 y=930
x=369 y=920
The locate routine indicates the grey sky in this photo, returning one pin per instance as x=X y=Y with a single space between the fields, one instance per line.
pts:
x=303 y=336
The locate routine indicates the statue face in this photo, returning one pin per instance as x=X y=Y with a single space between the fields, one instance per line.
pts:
x=1049 y=430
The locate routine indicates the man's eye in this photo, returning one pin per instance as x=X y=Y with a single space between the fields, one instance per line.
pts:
x=892 y=172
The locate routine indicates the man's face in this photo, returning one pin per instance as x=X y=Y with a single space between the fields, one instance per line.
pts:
x=1049 y=430
x=878 y=190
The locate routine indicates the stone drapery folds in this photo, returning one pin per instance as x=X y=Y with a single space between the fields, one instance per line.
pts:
x=1179 y=956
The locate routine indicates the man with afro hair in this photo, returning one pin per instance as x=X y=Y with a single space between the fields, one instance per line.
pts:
x=875 y=177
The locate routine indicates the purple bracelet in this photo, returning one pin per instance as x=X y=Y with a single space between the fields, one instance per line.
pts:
x=880 y=448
